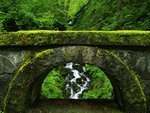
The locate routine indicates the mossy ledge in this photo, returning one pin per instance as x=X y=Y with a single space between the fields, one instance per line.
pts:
x=45 y=37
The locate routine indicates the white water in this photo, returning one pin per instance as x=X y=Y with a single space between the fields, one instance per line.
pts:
x=72 y=78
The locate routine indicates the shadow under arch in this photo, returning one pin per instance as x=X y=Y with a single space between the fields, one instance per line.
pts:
x=34 y=70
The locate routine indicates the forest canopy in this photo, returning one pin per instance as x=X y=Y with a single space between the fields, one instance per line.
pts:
x=74 y=15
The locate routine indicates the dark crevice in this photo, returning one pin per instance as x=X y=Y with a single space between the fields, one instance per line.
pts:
x=108 y=47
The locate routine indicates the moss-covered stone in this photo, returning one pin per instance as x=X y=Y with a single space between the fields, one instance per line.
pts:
x=128 y=85
x=128 y=99
x=29 y=79
x=38 y=38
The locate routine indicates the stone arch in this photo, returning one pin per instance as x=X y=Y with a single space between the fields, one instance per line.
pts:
x=18 y=97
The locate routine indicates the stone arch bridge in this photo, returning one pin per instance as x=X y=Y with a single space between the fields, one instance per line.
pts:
x=27 y=56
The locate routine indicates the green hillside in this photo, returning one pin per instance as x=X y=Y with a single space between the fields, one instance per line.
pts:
x=114 y=15
x=74 y=14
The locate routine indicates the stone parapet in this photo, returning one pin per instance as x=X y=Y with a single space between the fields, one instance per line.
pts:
x=98 y=38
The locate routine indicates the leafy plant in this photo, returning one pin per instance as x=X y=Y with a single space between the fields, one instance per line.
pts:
x=52 y=86
x=101 y=87
x=1 y=20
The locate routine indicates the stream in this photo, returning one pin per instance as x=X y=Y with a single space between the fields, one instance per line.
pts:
x=77 y=81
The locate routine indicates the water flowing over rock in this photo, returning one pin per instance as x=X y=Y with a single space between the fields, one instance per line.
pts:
x=77 y=81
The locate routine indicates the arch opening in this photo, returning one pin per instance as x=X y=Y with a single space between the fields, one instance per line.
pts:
x=126 y=81
x=75 y=81
x=76 y=84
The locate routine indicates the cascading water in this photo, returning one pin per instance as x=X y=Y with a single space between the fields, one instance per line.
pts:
x=76 y=80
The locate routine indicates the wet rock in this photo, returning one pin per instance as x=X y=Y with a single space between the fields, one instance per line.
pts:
x=78 y=67
x=75 y=83
x=79 y=81
x=83 y=78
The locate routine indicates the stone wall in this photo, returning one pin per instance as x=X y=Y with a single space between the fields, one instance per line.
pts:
x=139 y=61
x=11 y=59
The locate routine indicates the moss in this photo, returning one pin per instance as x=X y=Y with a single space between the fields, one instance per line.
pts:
x=39 y=54
x=21 y=69
x=137 y=83
x=25 y=78
x=45 y=37
x=10 y=85
x=134 y=76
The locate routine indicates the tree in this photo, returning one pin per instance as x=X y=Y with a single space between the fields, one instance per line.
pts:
x=31 y=14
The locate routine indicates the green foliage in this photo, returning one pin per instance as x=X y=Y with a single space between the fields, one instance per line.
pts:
x=45 y=21
x=52 y=86
x=1 y=20
x=87 y=14
x=114 y=15
x=101 y=87
x=32 y=14
x=75 y=6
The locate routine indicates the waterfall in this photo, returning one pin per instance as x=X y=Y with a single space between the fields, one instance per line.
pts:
x=76 y=80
